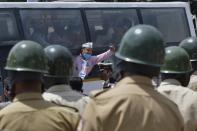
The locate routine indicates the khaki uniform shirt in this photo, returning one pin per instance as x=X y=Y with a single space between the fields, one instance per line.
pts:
x=29 y=112
x=64 y=95
x=185 y=98
x=132 y=105
x=193 y=81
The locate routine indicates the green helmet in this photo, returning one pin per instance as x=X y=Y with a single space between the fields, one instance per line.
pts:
x=59 y=61
x=176 y=61
x=142 y=44
x=190 y=45
x=27 y=56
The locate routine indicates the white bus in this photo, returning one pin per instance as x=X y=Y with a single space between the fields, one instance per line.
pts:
x=72 y=23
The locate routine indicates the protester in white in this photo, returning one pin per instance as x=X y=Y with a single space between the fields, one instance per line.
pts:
x=86 y=61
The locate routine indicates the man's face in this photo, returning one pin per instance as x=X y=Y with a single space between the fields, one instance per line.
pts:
x=87 y=51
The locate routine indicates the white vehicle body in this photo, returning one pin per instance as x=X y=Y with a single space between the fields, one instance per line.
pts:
x=89 y=21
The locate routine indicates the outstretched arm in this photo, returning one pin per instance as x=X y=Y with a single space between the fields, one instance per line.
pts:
x=105 y=55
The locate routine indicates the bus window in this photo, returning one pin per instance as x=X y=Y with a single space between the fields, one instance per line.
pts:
x=8 y=27
x=64 y=27
x=171 y=22
x=108 y=25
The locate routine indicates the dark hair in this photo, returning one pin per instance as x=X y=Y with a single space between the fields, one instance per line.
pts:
x=50 y=81
x=182 y=78
x=76 y=83
x=138 y=69
x=24 y=76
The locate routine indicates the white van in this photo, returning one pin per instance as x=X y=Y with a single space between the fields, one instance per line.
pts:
x=73 y=23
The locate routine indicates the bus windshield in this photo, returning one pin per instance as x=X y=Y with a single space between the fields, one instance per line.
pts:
x=171 y=22
x=8 y=27
x=64 y=27
x=103 y=26
x=109 y=25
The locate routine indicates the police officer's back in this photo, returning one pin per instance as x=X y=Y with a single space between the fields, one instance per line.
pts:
x=190 y=46
x=175 y=78
x=133 y=104
x=57 y=79
x=28 y=111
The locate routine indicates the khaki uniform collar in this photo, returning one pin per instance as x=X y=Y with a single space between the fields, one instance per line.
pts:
x=170 y=82
x=59 y=88
x=28 y=96
x=136 y=79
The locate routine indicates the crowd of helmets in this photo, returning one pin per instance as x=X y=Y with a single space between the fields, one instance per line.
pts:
x=42 y=100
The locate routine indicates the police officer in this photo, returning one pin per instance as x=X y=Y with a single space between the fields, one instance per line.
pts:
x=133 y=104
x=190 y=45
x=175 y=76
x=28 y=111
x=86 y=61
x=106 y=71
x=57 y=79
